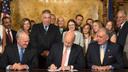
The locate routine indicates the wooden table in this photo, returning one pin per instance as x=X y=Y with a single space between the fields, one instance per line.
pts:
x=85 y=70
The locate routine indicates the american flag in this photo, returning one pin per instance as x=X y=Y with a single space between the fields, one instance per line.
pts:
x=5 y=8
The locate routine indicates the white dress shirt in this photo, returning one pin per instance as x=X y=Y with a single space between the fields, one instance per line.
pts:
x=46 y=27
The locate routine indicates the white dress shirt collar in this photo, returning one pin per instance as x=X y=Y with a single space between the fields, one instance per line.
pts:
x=122 y=25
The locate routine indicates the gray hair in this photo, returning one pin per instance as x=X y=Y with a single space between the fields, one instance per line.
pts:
x=104 y=30
x=19 y=33
x=123 y=11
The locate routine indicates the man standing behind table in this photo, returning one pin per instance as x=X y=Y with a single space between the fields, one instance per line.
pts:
x=10 y=33
x=79 y=19
x=122 y=25
x=43 y=36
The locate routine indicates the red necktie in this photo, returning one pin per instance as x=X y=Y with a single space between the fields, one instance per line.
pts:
x=9 y=36
x=64 y=58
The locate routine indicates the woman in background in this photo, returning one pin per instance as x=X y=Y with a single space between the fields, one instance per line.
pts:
x=95 y=27
x=72 y=26
x=87 y=39
x=112 y=34
x=87 y=36
x=26 y=25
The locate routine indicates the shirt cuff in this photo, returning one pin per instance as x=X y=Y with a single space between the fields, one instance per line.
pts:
x=27 y=67
x=8 y=67
x=111 y=66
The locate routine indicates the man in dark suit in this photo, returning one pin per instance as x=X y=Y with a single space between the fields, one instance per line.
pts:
x=53 y=20
x=10 y=34
x=125 y=53
x=43 y=36
x=122 y=24
x=103 y=55
x=19 y=56
x=73 y=57
x=61 y=23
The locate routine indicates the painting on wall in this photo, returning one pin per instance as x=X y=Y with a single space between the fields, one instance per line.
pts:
x=61 y=8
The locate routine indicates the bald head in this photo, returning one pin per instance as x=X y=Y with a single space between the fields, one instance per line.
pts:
x=69 y=38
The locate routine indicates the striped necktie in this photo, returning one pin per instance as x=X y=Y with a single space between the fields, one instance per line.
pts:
x=21 y=54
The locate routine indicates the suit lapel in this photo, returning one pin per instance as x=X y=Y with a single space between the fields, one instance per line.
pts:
x=105 y=56
x=71 y=55
x=107 y=52
x=98 y=53
x=17 y=53
x=42 y=28
x=49 y=28
x=125 y=25
x=123 y=28
x=60 y=53
x=12 y=36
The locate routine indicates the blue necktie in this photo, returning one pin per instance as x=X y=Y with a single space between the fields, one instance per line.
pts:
x=21 y=54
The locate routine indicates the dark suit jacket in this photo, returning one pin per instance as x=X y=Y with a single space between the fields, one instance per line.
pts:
x=42 y=40
x=76 y=57
x=8 y=43
x=62 y=33
x=11 y=56
x=121 y=38
x=112 y=55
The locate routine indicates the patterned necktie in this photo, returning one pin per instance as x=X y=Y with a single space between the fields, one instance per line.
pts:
x=102 y=54
x=46 y=28
x=64 y=58
x=21 y=54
